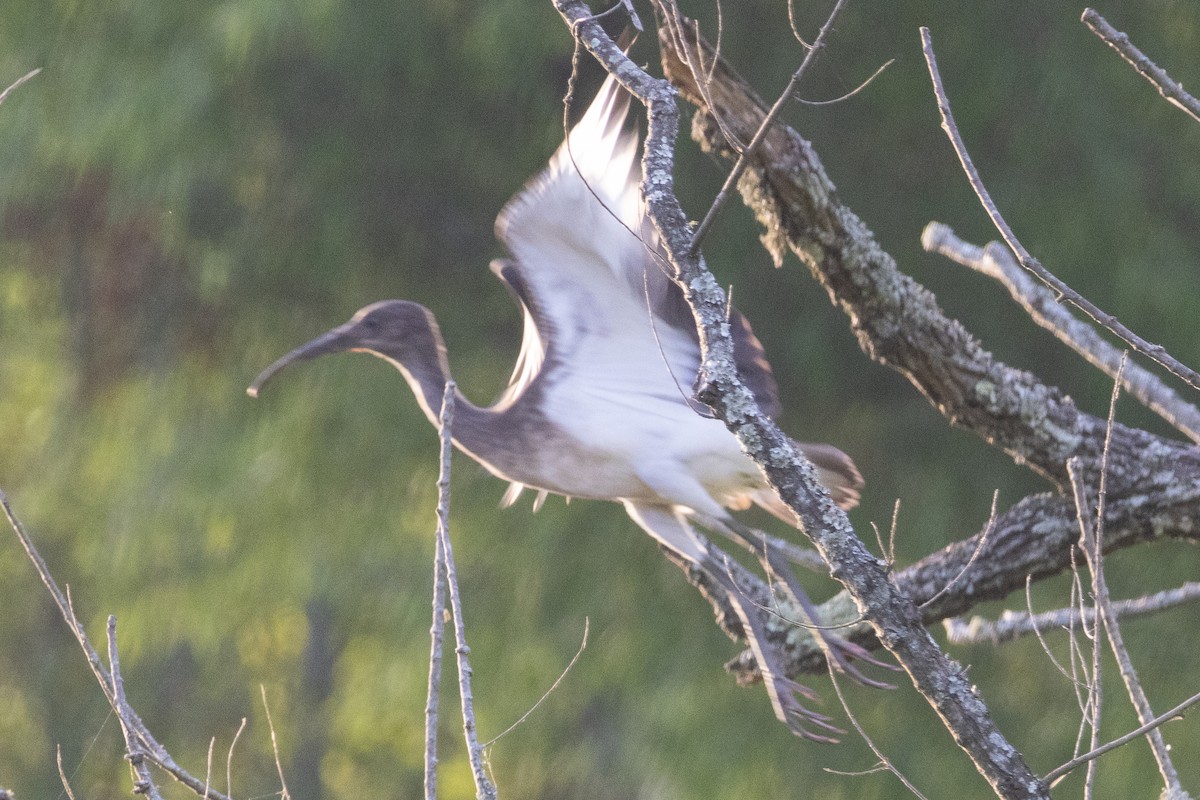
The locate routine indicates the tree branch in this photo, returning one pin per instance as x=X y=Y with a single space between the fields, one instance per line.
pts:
x=1153 y=482
x=997 y=262
x=154 y=751
x=1015 y=624
x=1153 y=351
x=1167 y=86
x=891 y=614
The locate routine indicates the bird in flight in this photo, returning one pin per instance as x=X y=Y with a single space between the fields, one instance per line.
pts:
x=599 y=403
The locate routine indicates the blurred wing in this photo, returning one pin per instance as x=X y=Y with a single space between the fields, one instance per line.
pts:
x=587 y=269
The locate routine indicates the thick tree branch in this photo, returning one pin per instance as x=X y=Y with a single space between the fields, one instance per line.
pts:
x=1154 y=483
x=896 y=320
x=891 y=614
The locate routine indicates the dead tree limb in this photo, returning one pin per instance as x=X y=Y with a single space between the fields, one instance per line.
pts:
x=890 y=612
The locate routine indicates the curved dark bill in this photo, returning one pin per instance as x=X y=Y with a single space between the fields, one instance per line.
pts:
x=335 y=341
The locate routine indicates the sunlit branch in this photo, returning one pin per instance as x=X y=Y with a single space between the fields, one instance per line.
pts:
x=997 y=262
x=1153 y=351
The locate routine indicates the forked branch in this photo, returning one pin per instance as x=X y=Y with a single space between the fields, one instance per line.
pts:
x=1155 y=352
x=997 y=262
x=891 y=613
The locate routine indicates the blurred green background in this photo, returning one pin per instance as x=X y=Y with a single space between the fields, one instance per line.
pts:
x=190 y=189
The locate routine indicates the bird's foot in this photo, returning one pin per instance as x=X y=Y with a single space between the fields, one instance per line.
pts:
x=839 y=651
x=799 y=719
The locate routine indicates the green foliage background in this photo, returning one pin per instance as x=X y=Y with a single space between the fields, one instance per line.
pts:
x=189 y=189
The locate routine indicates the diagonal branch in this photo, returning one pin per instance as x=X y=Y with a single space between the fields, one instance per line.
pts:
x=997 y=262
x=1167 y=86
x=1154 y=483
x=1015 y=624
x=740 y=166
x=154 y=751
x=891 y=614
x=1155 y=352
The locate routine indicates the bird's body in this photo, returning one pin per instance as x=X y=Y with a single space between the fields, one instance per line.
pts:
x=599 y=402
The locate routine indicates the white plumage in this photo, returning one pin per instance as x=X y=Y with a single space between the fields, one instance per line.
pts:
x=598 y=405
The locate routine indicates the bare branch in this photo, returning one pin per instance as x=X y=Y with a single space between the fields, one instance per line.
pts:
x=155 y=752
x=850 y=93
x=1168 y=87
x=982 y=540
x=898 y=323
x=1176 y=712
x=436 y=631
x=15 y=84
x=734 y=174
x=229 y=758
x=1153 y=351
x=891 y=614
x=884 y=761
x=548 y=692
x=1112 y=630
x=62 y=776
x=283 y=790
x=1012 y=625
x=143 y=782
x=997 y=262
x=212 y=742
x=484 y=788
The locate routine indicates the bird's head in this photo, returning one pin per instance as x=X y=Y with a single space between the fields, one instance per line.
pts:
x=392 y=329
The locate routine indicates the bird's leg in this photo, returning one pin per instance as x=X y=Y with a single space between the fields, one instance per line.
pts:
x=837 y=650
x=781 y=690
x=671 y=528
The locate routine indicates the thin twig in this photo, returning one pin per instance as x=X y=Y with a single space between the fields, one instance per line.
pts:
x=693 y=58
x=1153 y=351
x=155 y=751
x=553 y=686
x=1070 y=676
x=979 y=545
x=60 y=600
x=432 y=694
x=1013 y=625
x=997 y=262
x=15 y=84
x=438 y=625
x=884 y=761
x=284 y=794
x=212 y=742
x=62 y=776
x=143 y=781
x=229 y=758
x=484 y=788
x=1093 y=552
x=1153 y=724
x=1169 y=88
x=1089 y=544
x=744 y=159
x=850 y=93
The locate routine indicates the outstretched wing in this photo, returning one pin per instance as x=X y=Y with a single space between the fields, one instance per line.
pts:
x=600 y=310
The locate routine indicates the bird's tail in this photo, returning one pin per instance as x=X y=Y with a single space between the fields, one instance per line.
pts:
x=835 y=471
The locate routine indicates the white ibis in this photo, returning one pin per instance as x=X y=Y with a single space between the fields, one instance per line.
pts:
x=598 y=403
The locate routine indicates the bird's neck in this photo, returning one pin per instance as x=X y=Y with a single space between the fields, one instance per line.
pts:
x=424 y=365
